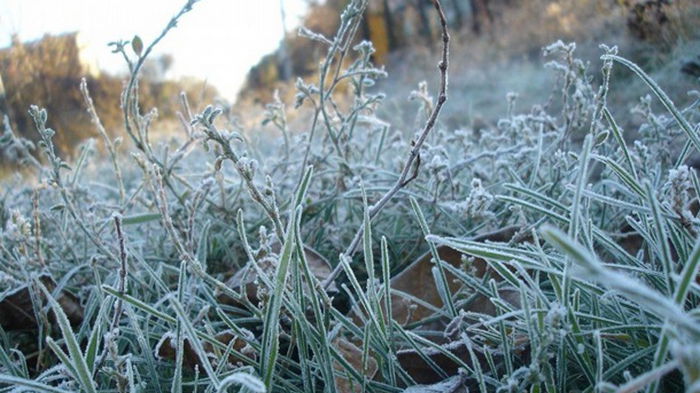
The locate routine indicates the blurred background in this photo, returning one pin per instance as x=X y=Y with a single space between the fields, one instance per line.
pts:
x=237 y=54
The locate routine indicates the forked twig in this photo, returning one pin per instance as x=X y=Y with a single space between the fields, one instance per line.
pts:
x=411 y=167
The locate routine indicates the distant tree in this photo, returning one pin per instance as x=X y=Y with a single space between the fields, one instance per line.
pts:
x=389 y=21
x=647 y=18
x=482 y=16
x=285 y=60
x=458 y=17
x=423 y=7
x=156 y=68
x=47 y=73
x=3 y=101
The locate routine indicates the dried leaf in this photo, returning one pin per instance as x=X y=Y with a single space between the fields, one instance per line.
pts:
x=418 y=282
x=245 y=278
x=167 y=347
x=17 y=311
x=423 y=373
x=406 y=311
x=353 y=355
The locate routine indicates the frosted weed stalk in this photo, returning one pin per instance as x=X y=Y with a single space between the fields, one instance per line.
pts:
x=592 y=258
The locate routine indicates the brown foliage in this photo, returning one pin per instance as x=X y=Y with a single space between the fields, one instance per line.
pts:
x=47 y=73
x=245 y=280
x=167 y=349
x=659 y=21
x=18 y=312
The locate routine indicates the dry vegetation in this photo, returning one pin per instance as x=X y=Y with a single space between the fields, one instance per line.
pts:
x=47 y=73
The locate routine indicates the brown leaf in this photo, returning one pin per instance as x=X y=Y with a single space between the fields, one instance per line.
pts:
x=167 y=349
x=417 y=281
x=245 y=278
x=353 y=355
x=17 y=311
x=423 y=373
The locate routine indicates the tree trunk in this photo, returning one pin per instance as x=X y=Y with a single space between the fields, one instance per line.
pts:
x=389 y=21
x=482 y=17
x=426 y=31
x=458 y=13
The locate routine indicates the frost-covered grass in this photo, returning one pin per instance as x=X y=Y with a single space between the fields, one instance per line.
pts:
x=594 y=288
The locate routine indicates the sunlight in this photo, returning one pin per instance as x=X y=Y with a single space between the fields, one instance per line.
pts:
x=218 y=42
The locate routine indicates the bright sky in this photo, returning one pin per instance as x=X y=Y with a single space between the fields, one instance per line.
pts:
x=219 y=40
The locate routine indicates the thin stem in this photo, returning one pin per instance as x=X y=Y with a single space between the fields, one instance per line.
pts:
x=103 y=133
x=412 y=165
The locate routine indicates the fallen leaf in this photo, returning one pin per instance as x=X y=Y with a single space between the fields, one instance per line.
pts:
x=17 y=311
x=417 y=281
x=353 y=355
x=167 y=349
x=422 y=372
x=246 y=278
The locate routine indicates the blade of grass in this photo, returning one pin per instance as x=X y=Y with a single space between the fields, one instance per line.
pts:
x=617 y=134
x=270 y=341
x=194 y=340
x=661 y=95
x=245 y=380
x=661 y=237
x=78 y=362
x=635 y=290
x=441 y=278
x=28 y=383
